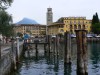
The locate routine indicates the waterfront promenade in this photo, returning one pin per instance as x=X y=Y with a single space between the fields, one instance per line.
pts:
x=9 y=52
x=4 y=48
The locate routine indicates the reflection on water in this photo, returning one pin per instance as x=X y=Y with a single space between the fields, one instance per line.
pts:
x=67 y=69
x=95 y=58
x=53 y=64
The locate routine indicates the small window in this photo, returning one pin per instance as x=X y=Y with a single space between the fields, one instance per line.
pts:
x=61 y=30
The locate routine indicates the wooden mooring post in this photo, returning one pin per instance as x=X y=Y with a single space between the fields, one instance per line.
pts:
x=13 y=54
x=45 y=48
x=67 y=69
x=57 y=44
x=17 y=51
x=81 y=52
x=36 y=48
x=67 y=43
x=49 y=39
x=56 y=48
x=0 y=48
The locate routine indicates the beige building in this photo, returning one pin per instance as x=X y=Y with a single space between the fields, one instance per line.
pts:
x=55 y=28
x=32 y=29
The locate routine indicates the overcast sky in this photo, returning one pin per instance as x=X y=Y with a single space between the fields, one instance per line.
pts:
x=37 y=9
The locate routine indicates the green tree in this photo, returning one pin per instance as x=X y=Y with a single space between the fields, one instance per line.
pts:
x=95 y=19
x=95 y=24
x=96 y=28
x=6 y=27
x=4 y=4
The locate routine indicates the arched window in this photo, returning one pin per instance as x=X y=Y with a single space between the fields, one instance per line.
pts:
x=79 y=26
x=75 y=27
x=83 y=26
x=70 y=26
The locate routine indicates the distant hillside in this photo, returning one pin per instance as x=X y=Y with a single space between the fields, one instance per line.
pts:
x=27 y=21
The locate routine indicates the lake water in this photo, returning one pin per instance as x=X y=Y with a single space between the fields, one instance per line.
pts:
x=53 y=64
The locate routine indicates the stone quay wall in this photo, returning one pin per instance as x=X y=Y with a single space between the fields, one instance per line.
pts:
x=8 y=60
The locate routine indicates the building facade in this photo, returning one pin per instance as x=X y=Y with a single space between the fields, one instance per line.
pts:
x=62 y=25
x=31 y=29
x=56 y=28
x=73 y=23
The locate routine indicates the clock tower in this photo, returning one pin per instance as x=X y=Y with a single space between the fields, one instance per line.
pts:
x=49 y=16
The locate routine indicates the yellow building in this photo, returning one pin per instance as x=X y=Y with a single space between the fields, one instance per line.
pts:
x=74 y=23
x=32 y=29
x=70 y=24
